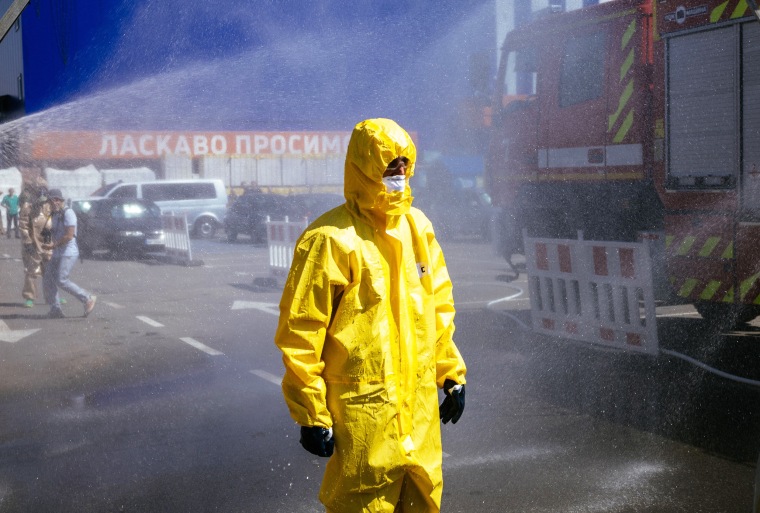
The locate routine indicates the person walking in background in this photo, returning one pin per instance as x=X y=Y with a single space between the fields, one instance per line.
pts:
x=10 y=202
x=63 y=244
x=366 y=331
x=34 y=222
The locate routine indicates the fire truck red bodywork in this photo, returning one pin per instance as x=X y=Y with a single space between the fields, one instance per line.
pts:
x=644 y=117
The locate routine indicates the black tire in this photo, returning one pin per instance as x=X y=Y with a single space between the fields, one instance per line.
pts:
x=205 y=228
x=724 y=315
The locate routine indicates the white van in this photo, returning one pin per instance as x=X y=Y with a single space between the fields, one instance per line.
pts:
x=204 y=202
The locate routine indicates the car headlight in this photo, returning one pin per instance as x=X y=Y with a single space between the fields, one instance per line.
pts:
x=154 y=238
x=131 y=233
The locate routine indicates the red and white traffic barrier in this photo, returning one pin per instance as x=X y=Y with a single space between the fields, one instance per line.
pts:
x=176 y=238
x=594 y=291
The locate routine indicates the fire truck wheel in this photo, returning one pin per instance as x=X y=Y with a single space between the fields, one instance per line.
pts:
x=726 y=315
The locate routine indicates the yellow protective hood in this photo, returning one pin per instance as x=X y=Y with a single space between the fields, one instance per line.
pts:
x=373 y=144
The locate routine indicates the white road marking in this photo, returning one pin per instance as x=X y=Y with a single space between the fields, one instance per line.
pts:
x=267 y=376
x=513 y=297
x=151 y=322
x=269 y=308
x=203 y=347
x=113 y=305
x=490 y=303
x=11 y=336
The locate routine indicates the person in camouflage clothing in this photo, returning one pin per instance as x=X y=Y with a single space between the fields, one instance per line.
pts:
x=34 y=217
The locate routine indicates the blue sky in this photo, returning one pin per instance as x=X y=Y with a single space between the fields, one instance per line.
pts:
x=238 y=64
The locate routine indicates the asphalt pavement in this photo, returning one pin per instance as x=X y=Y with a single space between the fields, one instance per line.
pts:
x=166 y=398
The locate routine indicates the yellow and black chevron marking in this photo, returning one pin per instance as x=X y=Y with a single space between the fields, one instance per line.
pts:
x=729 y=10
x=621 y=121
x=715 y=290
x=712 y=247
x=703 y=287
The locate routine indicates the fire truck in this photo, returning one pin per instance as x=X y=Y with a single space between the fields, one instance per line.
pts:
x=637 y=119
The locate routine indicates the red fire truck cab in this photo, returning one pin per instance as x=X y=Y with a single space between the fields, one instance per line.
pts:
x=638 y=116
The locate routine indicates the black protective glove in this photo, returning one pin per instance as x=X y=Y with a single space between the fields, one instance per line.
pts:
x=317 y=440
x=453 y=405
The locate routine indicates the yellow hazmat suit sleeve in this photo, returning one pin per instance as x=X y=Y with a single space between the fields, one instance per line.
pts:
x=305 y=310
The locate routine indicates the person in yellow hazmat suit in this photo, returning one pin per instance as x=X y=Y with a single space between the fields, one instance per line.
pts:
x=366 y=326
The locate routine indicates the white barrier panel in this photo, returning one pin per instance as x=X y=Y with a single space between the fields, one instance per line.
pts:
x=595 y=291
x=281 y=240
x=176 y=238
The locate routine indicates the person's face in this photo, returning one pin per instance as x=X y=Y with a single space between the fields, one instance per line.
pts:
x=57 y=203
x=396 y=167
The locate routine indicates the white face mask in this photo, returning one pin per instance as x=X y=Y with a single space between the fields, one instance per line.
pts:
x=394 y=183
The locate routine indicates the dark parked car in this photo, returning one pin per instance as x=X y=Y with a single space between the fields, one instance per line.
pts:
x=119 y=225
x=247 y=215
